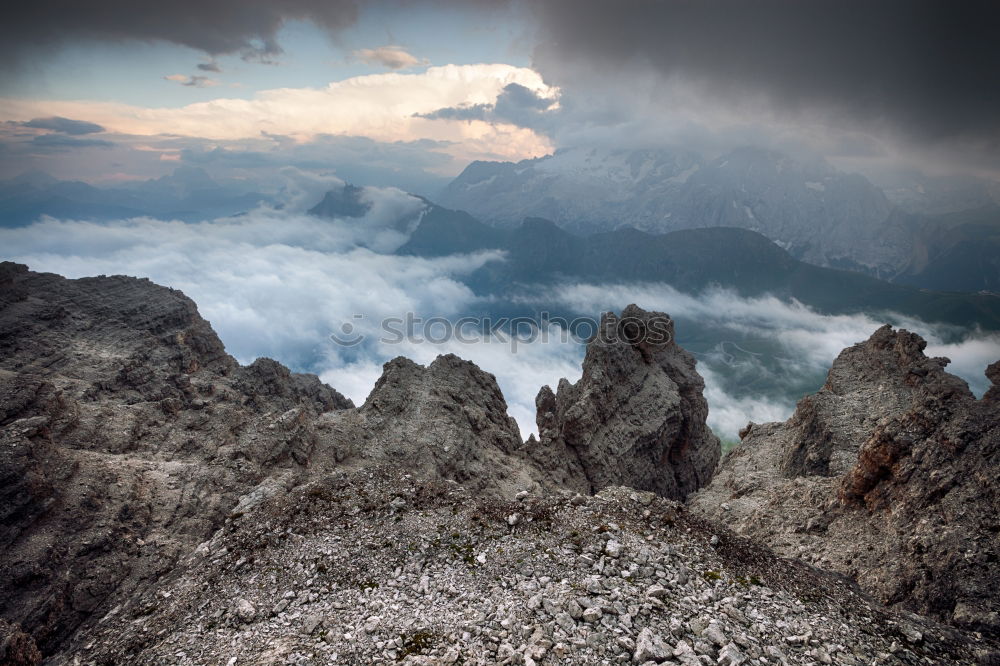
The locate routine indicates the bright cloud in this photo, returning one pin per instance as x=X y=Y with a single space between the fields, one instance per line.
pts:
x=383 y=107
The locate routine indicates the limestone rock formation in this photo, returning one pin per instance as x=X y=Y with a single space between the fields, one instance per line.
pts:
x=889 y=474
x=447 y=420
x=636 y=417
x=128 y=435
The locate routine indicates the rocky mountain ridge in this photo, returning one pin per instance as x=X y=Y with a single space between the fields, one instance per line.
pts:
x=130 y=437
x=820 y=215
x=887 y=475
x=539 y=252
x=162 y=504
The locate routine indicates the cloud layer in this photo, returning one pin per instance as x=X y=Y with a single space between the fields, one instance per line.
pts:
x=393 y=57
x=64 y=125
x=889 y=83
x=769 y=353
x=279 y=283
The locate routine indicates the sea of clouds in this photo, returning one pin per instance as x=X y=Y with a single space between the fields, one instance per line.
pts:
x=278 y=282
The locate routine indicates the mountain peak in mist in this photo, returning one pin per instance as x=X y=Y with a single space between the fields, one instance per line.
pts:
x=819 y=214
x=342 y=202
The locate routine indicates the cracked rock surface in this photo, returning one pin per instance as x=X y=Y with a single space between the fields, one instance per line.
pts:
x=129 y=436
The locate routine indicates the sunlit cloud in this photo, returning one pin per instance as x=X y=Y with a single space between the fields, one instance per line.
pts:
x=384 y=107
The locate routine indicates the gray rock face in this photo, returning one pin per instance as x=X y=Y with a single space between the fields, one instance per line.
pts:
x=650 y=647
x=817 y=213
x=128 y=435
x=888 y=474
x=447 y=420
x=636 y=417
x=160 y=503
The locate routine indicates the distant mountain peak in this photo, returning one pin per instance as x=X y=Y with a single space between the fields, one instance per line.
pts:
x=343 y=202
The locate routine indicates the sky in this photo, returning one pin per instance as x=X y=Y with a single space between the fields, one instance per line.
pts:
x=222 y=100
x=243 y=85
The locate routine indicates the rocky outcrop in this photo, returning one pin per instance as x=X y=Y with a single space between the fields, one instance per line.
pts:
x=347 y=201
x=888 y=474
x=447 y=420
x=993 y=393
x=636 y=417
x=128 y=435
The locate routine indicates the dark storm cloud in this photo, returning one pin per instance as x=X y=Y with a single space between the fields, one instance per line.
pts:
x=927 y=68
x=520 y=105
x=468 y=112
x=64 y=125
x=210 y=66
x=516 y=104
x=247 y=27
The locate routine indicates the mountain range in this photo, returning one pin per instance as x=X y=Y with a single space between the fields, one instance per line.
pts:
x=187 y=193
x=932 y=233
x=691 y=260
x=819 y=214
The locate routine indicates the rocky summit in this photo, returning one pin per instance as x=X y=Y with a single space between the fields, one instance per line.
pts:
x=128 y=435
x=887 y=475
x=636 y=417
x=162 y=504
